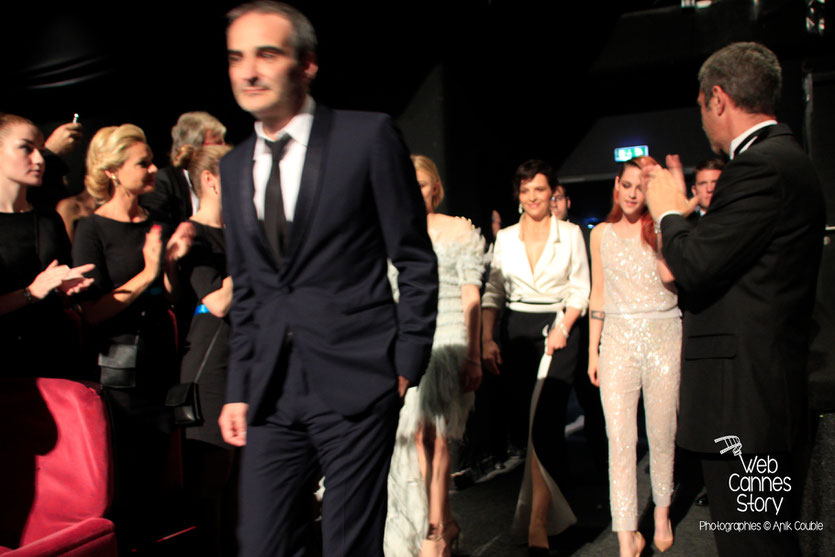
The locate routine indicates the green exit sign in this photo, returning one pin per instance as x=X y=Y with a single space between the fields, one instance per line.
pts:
x=623 y=154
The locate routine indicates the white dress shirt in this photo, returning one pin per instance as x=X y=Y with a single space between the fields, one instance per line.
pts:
x=559 y=279
x=291 y=165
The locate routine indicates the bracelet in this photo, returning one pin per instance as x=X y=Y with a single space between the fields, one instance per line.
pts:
x=472 y=361
x=563 y=329
x=30 y=299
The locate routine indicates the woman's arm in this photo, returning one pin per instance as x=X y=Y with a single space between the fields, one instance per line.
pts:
x=576 y=294
x=493 y=299
x=471 y=304
x=113 y=302
x=219 y=301
x=596 y=314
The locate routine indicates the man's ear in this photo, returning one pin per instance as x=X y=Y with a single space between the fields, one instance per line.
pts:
x=310 y=66
x=719 y=100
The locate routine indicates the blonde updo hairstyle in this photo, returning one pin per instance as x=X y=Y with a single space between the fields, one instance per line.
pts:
x=425 y=164
x=197 y=160
x=107 y=153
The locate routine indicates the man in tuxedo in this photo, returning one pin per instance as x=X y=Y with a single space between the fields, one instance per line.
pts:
x=320 y=356
x=748 y=269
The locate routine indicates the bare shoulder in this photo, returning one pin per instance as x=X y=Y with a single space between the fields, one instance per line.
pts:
x=596 y=232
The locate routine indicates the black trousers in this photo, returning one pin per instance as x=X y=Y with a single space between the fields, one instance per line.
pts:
x=283 y=458
x=739 y=501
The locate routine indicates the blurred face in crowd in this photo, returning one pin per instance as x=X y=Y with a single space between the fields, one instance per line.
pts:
x=21 y=161
x=560 y=203
x=211 y=137
x=705 y=185
x=629 y=189
x=137 y=173
x=268 y=80
x=428 y=189
x=535 y=197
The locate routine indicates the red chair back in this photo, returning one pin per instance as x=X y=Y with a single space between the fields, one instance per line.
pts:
x=55 y=457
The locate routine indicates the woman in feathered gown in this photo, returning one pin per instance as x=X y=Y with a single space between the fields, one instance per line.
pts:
x=419 y=520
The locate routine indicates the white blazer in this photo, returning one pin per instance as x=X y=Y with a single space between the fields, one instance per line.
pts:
x=560 y=278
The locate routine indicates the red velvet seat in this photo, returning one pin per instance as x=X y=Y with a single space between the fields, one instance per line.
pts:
x=55 y=469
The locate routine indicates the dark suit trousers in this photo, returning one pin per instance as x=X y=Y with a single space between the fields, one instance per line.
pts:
x=281 y=463
x=730 y=500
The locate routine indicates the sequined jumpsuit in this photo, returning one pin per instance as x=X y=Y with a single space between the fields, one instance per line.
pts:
x=640 y=349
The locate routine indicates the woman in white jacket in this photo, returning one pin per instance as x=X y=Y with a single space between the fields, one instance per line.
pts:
x=540 y=278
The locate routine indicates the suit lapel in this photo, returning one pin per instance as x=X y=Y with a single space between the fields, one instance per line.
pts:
x=311 y=182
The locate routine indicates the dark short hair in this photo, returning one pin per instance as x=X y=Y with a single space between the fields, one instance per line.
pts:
x=303 y=37
x=530 y=168
x=710 y=164
x=748 y=72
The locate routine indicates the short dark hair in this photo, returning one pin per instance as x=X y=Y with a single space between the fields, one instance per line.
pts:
x=748 y=72
x=529 y=169
x=710 y=164
x=303 y=37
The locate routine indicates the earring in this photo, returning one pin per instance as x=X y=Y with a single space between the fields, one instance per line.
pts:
x=115 y=180
x=521 y=209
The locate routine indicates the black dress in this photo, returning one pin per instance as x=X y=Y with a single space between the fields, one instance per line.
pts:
x=39 y=339
x=210 y=465
x=208 y=338
x=141 y=424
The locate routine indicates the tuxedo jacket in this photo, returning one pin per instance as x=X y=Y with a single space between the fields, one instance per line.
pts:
x=170 y=201
x=359 y=203
x=748 y=271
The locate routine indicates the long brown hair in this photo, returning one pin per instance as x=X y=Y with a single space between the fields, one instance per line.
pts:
x=647 y=226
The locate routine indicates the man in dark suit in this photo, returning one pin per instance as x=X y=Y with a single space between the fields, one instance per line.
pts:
x=748 y=269
x=314 y=202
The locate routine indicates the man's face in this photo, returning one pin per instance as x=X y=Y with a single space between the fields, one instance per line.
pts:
x=704 y=186
x=709 y=124
x=560 y=203
x=267 y=79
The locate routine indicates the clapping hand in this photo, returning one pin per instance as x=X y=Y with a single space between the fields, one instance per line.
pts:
x=67 y=280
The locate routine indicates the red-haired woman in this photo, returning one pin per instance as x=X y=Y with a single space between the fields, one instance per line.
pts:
x=634 y=345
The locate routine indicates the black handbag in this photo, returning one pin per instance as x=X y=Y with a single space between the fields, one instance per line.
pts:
x=184 y=398
x=118 y=362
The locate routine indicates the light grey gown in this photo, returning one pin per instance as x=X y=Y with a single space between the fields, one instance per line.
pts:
x=438 y=399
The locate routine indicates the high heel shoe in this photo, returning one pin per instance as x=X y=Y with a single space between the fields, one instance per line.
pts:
x=451 y=532
x=640 y=543
x=663 y=545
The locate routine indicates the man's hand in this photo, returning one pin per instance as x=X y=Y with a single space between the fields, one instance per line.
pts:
x=232 y=423
x=663 y=192
x=64 y=139
x=402 y=385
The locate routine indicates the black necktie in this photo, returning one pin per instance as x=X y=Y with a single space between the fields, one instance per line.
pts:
x=275 y=223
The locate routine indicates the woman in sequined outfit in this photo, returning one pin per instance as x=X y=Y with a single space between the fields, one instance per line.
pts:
x=636 y=325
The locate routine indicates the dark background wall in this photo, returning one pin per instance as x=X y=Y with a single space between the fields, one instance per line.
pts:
x=479 y=87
